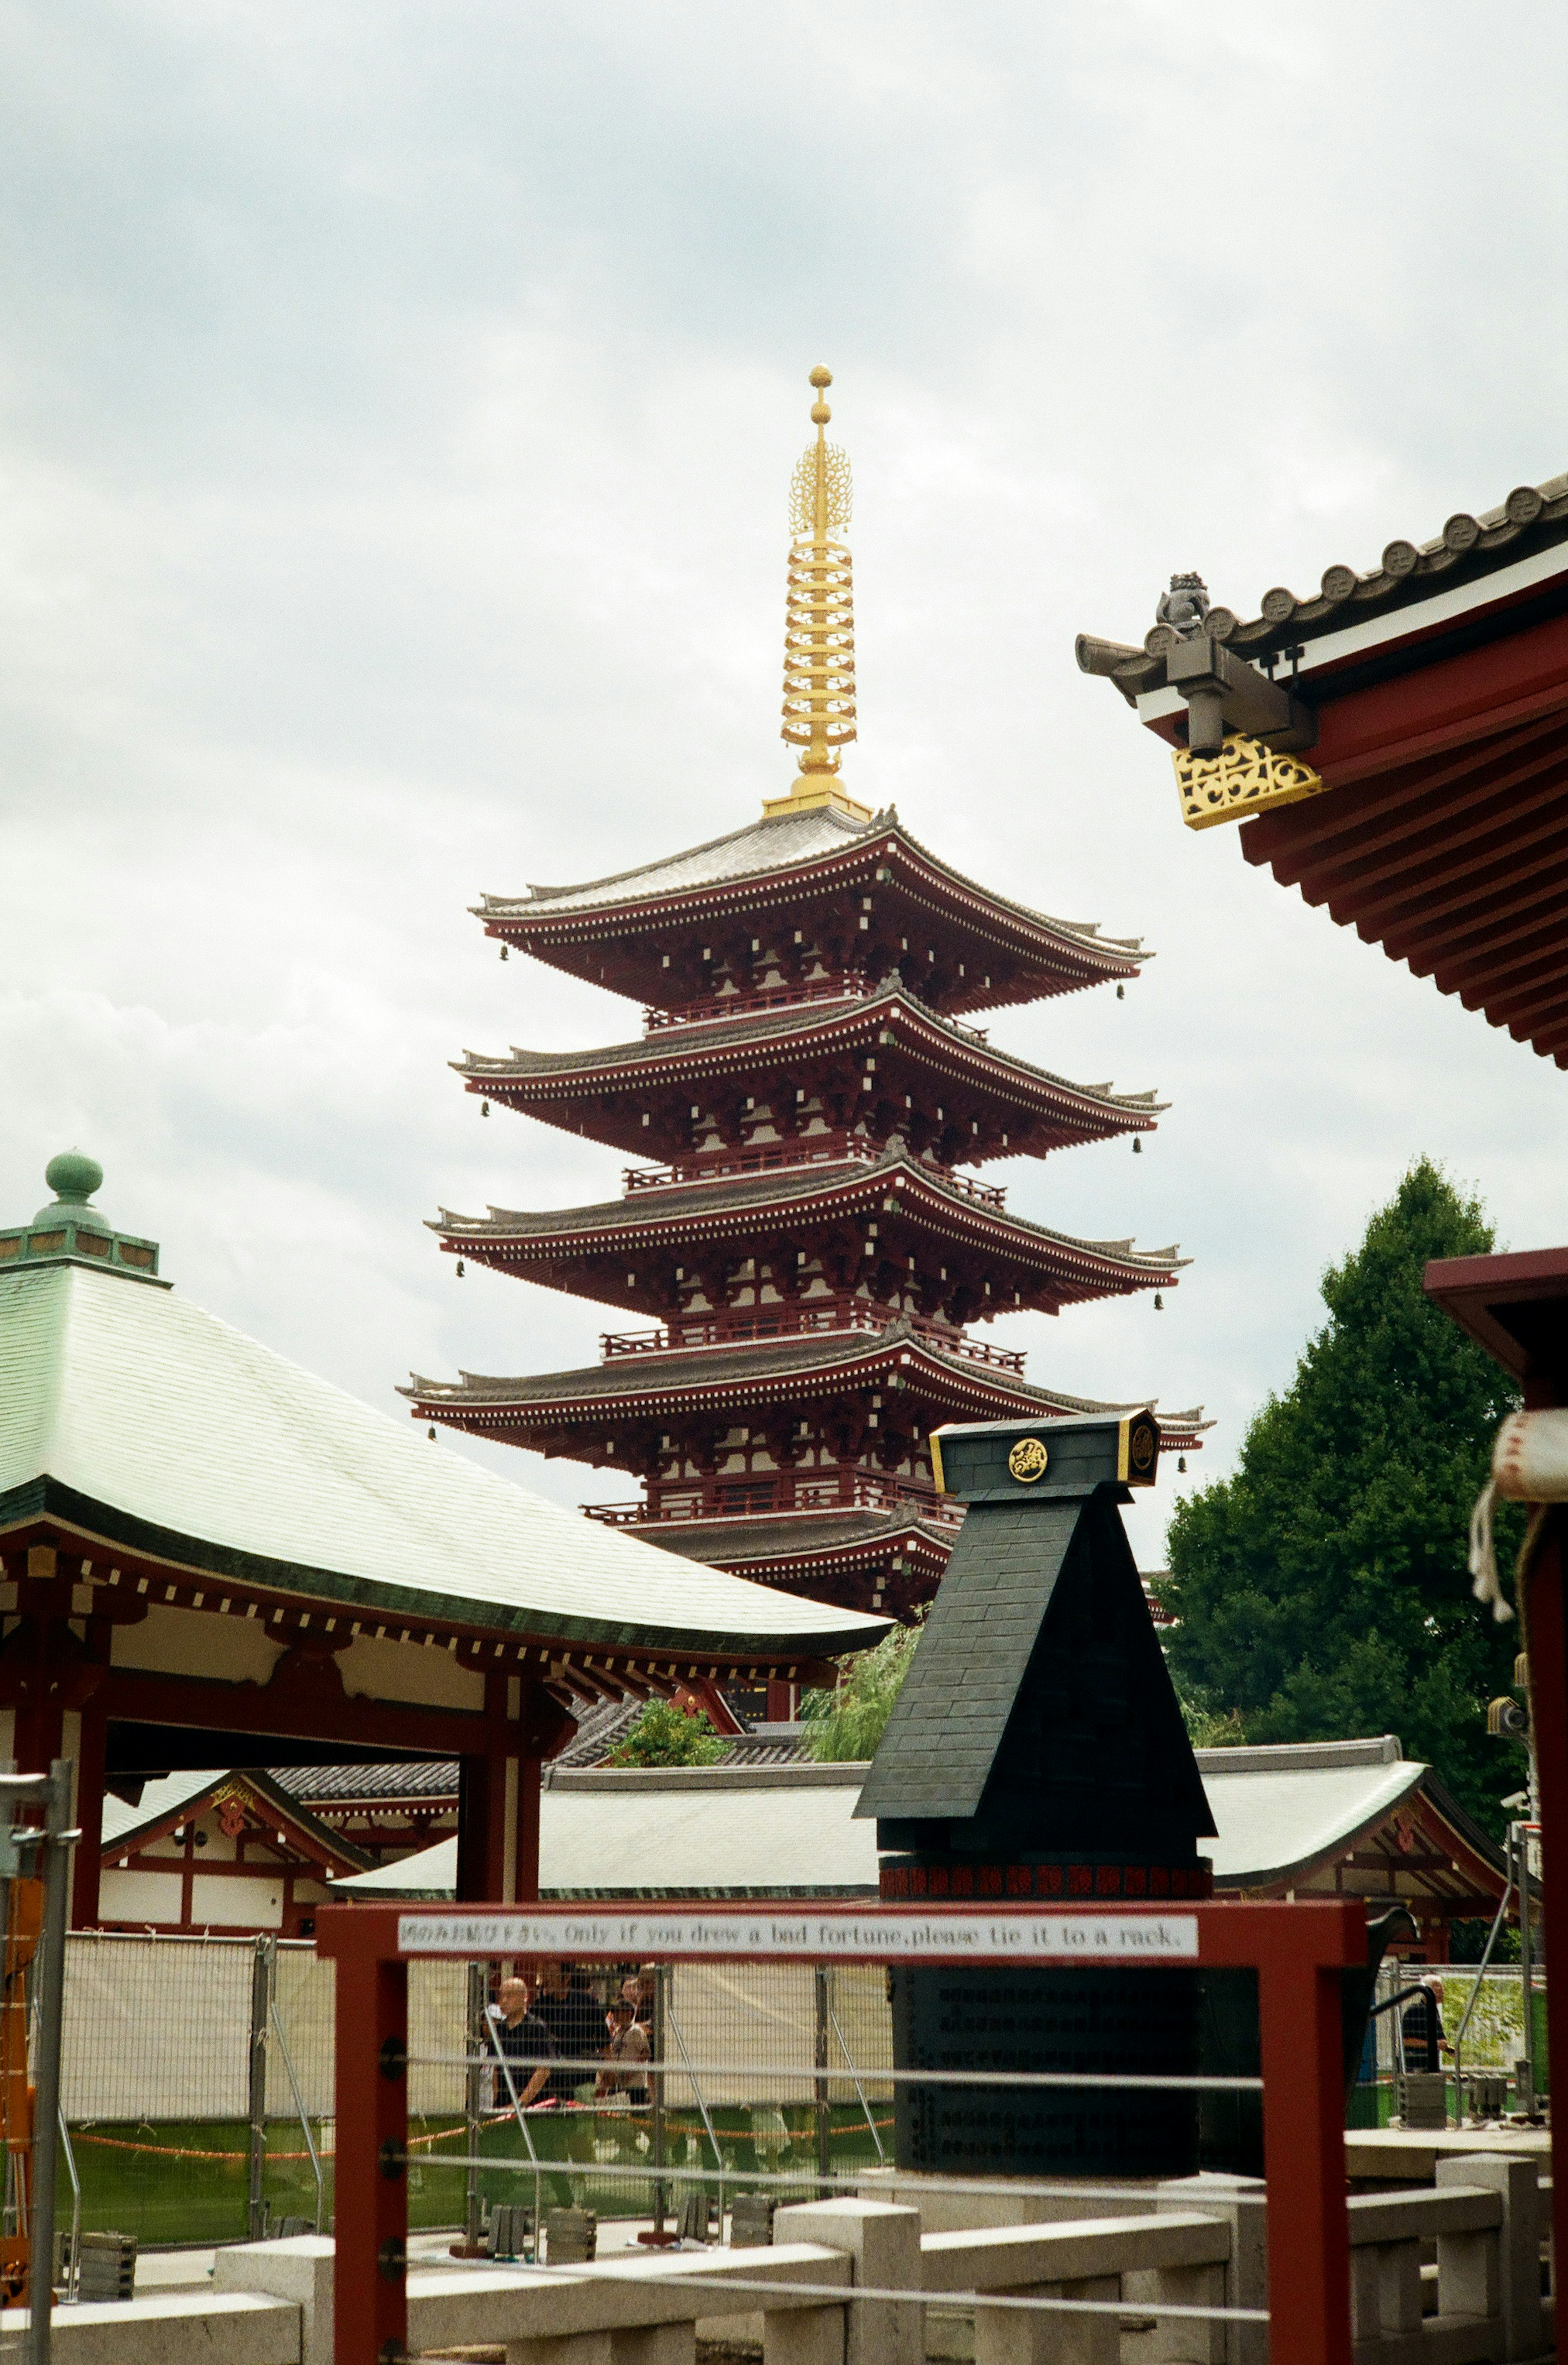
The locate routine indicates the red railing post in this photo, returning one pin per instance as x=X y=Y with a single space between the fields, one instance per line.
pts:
x=1547 y=1631
x=370 y=2319
x=1304 y=2156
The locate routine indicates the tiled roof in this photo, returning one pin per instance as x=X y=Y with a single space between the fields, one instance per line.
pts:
x=1534 y=517
x=766 y=1362
x=775 y=844
x=1281 y=1818
x=677 y=1047
x=696 y=1370
x=333 y=1785
x=779 y=842
x=124 y=1825
x=650 y=1210
x=602 y=1725
x=150 y=1424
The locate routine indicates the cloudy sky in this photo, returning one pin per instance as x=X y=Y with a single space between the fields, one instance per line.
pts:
x=397 y=411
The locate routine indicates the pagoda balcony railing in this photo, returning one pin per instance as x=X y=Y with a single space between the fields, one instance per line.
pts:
x=767 y=1158
x=745 y=1001
x=814 y=1150
x=781 y=1493
x=747 y=1326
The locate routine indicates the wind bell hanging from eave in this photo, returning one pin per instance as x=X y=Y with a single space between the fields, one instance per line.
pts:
x=819 y=628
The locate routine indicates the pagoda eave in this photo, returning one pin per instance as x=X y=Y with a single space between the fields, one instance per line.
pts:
x=585 y=1250
x=744 y=1377
x=883 y=1062
x=622 y=940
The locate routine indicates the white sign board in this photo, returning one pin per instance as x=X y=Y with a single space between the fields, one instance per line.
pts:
x=977 y=1935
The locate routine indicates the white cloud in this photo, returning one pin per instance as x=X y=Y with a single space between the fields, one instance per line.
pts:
x=395 y=415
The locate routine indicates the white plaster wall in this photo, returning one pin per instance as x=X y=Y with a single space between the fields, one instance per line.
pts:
x=407 y=1671
x=229 y=1899
x=192 y=1642
x=139 y=1896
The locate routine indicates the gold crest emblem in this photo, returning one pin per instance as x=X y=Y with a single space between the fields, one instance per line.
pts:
x=1029 y=1460
x=1141 y=1444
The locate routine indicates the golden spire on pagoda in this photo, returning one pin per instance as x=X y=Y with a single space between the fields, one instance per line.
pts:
x=818 y=626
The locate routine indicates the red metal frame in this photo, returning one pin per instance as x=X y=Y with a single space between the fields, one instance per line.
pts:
x=1297 y=1950
x=1516 y=1307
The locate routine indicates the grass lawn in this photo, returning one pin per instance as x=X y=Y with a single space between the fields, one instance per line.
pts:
x=186 y=2181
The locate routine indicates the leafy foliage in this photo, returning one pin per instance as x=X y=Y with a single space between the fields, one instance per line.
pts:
x=1322 y=1592
x=847 y=1724
x=666 y=1735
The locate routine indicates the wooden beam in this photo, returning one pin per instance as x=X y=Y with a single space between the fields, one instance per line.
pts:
x=133 y=1696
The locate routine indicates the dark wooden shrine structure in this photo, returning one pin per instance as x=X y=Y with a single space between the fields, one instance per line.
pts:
x=210 y=1557
x=813 y=1246
x=1396 y=746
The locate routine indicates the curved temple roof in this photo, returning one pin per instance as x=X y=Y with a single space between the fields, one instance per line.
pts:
x=679 y=1210
x=1282 y=1813
x=772 y=1371
x=149 y=1423
x=677 y=1055
x=786 y=842
x=1533 y=519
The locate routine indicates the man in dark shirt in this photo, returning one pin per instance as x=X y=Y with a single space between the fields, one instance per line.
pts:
x=575 y=2018
x=1422 y=2028
x=519 y=2032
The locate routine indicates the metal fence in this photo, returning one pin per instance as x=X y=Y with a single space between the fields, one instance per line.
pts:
x=1486 y=2048
x=198 y=2085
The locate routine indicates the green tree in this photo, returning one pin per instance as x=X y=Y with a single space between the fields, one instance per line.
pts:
x=666 y=1736
x=1322 y=1593
x=847 y=1722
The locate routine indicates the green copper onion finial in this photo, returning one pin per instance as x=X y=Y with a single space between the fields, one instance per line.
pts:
x=73 y=1178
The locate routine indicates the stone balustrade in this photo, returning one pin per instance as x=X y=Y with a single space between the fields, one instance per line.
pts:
x=1448 y=2274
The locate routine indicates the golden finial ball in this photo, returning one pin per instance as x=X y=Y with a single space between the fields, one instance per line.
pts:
x=820 y=414
x=821 y=376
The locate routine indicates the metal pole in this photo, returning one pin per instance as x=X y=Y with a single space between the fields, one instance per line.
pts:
x=506 y=2065
x=1527 y=1980
x=1480 y=1975
x=46 y=2110
x=701 y=2104
x=854 y=2075
x=260 y=2016
x=661 y=2195
x=304 y=2121
x=474 y=2101
x=825 y=2116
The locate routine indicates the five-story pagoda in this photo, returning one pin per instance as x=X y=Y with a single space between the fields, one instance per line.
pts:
x=808 y=1075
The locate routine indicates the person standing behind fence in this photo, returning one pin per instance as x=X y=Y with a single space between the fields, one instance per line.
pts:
x=519 y=2034
x=1421 y=2025
x=575 y=2020
x=628 y=2046
x=638 y=1988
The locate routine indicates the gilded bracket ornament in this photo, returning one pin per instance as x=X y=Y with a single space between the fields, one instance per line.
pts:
x=1244 y=778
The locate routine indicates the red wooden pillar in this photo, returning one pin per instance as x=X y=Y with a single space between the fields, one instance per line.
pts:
x=497 y=1798
x=497 y=1826
x=370 y=2298
x=1303 y=2161
x=87 y=1863
x=528 y=1771
x=42 y=1658
x=474 y=1823
x=1546 y=1627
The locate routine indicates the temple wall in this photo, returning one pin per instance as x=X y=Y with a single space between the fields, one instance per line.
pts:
x=191 y=1642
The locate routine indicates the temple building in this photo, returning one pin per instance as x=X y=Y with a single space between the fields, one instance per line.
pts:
x=209 y=1557
x=811 y=1243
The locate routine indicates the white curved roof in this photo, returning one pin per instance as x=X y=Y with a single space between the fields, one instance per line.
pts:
x=148 y=1422
x=767 y=1828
